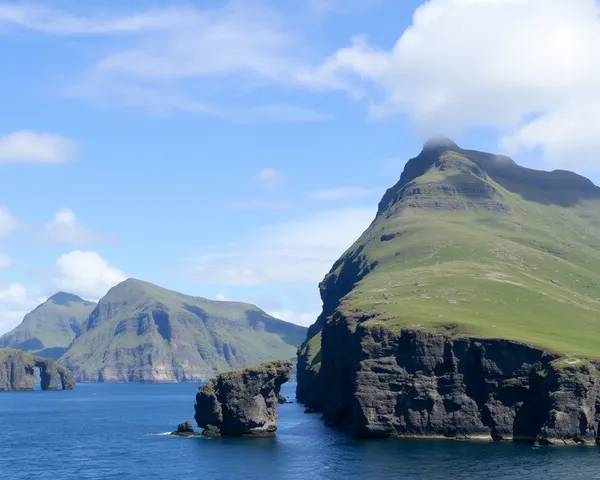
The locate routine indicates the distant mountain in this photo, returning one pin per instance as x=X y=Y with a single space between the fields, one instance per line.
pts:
x=142 y=332
x=49 y=329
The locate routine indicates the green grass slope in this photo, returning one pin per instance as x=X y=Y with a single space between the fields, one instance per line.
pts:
x=142 y=332
x=470 y=243
x=49 y=329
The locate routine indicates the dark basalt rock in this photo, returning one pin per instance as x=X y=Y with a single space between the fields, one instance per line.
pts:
x=185 y=429
x=418 y=383
x=242 y=402
x=17 y=372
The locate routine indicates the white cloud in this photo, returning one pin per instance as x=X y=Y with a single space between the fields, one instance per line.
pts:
x=5 y=261
x=65 y=229
x=34 y=147
x=240 y=39
x=344 y=193
x=285 y=113
x=299 y=318
x=86 y=274
x=171 y=53
x=8 y=223
x=270 y=177
x=290 y=252
x=15 y=302
x=526 y=68
x=55 y=22
x=220 y=297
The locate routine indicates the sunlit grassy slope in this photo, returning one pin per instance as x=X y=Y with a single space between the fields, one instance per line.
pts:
x=143 y=331
x=470 y=243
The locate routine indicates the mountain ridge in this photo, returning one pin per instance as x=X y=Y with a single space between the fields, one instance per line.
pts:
x=142 y=332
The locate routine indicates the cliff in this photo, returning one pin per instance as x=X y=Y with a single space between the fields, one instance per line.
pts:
x=140 y=332
x=242 y=402
x=17 y=372
x=467 y=309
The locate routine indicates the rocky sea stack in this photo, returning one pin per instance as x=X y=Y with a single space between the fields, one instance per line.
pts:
x=242 y=402
x=469 y=308
x=185 y=429
x=17 y=372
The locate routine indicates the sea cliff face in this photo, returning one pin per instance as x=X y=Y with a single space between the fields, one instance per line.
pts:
x=416 y=383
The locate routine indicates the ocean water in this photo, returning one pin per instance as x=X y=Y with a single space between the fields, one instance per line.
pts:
x=117 y=431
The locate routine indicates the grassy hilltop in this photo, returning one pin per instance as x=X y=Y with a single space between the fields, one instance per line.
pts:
x=470 y=243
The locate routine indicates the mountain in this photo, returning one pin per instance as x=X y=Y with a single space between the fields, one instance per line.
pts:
x=473 y=296
x=142 y=332
x=49 y=329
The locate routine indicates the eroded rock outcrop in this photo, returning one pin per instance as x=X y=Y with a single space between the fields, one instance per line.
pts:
x=242 y=402
x=418 y=383
x=185 y=429
x=17 y=372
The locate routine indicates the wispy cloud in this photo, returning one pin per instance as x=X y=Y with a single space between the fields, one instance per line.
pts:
x=65 y=229
x=55 y=22
x=8 y=222
x=286 y=113
x=171 y=53
x=5 y=261
x=289 y=252
x=270 y=178
x=34 y=147
x=344 y=193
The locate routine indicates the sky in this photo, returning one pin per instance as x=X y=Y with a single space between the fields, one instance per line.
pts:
x=234 y=149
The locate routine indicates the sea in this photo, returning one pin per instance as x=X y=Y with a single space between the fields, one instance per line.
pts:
x=120 y=431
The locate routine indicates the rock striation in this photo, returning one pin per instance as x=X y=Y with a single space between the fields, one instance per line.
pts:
x=242 y=402
x=418 y=383
x=17 y=372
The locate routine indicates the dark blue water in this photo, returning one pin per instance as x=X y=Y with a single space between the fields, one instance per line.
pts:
x=104 y=431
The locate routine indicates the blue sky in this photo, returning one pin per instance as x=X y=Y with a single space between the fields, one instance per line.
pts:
x=234 y=149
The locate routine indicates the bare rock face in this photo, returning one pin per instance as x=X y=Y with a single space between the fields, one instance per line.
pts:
x=185 y=429
x=416 y=383
x=17 y=372
x=242 y=402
